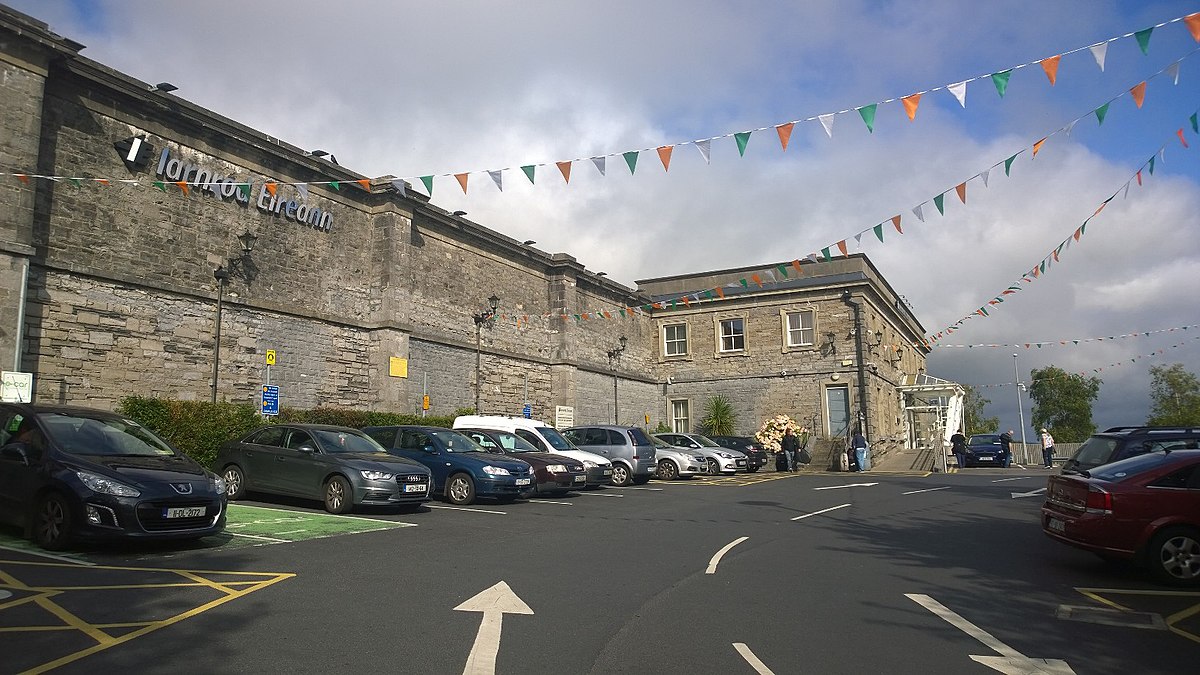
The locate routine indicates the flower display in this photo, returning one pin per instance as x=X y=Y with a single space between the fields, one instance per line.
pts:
x=770 y=434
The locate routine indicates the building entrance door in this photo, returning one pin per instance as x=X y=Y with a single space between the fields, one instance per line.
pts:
x=837 y=411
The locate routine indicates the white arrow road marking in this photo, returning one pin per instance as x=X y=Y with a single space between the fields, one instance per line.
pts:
x=914 y=492
x=1032 y=493
x=5 y=594
x=817 y=513
x=755 y=663
x=712 y=564
x=1003 y=480
x=1010 y=661
x=494 y=602
x=838 y=487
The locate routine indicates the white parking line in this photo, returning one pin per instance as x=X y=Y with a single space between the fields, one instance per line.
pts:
x=817 y=513
x=598 y=494
x=638 y=488
x=273 y=540
x=1004 y=480
x=914 y=492
x=755 y=663
x=712 y=564
x=459 y=508
x=47 y=555
x=547 y=501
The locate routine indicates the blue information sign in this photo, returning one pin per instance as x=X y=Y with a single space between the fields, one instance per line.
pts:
x=270 y=399
x=528 y=411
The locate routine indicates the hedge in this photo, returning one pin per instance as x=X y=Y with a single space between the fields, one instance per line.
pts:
x=198 y=428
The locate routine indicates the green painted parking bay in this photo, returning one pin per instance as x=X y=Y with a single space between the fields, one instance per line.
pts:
x=258 y=524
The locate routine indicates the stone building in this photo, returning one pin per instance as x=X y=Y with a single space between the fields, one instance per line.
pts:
x=136 y=228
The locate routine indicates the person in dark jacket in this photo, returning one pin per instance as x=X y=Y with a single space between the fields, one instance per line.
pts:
x=958 y=445
x=1006 y=447
x=860 y=449
x=791 y=447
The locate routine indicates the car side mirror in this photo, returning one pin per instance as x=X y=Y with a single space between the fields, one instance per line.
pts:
x=17 y=450
x=307 y=449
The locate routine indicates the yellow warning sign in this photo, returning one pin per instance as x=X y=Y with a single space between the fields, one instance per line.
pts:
x=270 y=357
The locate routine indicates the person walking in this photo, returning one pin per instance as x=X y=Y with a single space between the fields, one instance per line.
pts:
x=791 y=447
x=1006 y=448
x=1047 y=448
x=861 y=450
x=958 y=445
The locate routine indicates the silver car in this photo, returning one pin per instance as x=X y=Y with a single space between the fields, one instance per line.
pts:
x=675 y=462
x=720 y=459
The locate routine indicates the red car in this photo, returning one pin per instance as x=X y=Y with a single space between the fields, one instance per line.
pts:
x=1145 y=508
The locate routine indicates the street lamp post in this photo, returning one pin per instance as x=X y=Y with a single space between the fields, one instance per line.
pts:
x=613 y=355
x=245 y=267
x=1020 y=408
x=485 y=317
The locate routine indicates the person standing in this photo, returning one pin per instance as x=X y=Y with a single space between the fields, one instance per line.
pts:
x=958 y=445
x=861 y=449
x=791 y=447
x=1006 y=448
x=1047 y=448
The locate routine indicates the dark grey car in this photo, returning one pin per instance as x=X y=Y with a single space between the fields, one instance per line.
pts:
x=340 y=466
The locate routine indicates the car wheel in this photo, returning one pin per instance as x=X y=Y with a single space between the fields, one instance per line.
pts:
x=52 y=522
x=621 y=476
x=339 y=497
x=460 y=489
x=667 y=470
x=751 y=469
x=714 y=468
x=1174 y=556
x=235 y=482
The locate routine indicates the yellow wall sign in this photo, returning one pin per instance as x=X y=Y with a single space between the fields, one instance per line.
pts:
x=398 y=367
x=270 y=357
x=425 y=402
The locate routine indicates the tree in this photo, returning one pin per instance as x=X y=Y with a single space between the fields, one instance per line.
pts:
x=719 y=418
x=1062 y=403
x=973 y=420
x=1174 y=397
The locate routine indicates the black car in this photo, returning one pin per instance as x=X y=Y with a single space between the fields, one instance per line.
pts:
x=340 y=466
x=1118 y=443
x=71 y=474
x=756 y=454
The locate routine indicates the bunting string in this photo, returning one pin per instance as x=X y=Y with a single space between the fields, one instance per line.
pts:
x=1067 y=342
x=1100 y=369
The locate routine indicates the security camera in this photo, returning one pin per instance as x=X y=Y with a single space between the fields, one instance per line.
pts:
x=670 y=380
x=783 y=372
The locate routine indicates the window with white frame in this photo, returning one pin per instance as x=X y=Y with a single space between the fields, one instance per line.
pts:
x=675 y=339
x=733 y=335
x=800 y=331
x=680 y=423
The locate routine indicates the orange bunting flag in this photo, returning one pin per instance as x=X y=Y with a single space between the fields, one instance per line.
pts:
x=756 y=279
x=910 y=105
x=1078 y=234
x=1050 y=65
x=1038 y=146
x=365 y=183
x=182 y=186
x=842 y=247
x=1139 y=93
x=664 y=155
x=565 y=168
x=785 y=133
x=1099 y=209
x=1181 y=138
x=656 y=305
x=896 y=223
x=1193 y=24
x=270 y=188
x=462 y=180
x=961 y=189
x=23 y=178
x=1139 y=177
x=720 y=293
x=796 y=266
x=685 y=301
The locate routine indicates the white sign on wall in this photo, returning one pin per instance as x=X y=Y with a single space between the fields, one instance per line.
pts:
x=564 y=416
x=16 y=387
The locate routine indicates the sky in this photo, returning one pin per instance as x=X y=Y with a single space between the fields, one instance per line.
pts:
x=411 y=89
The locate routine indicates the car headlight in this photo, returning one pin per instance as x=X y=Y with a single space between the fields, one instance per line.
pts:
x=495 y=470
x=218 y=484
x=376 y=475
x=556 y=468
x=587 y=463
x=726 y=455
x=105 y=485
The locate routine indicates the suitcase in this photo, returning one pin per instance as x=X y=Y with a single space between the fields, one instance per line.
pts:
x=781 y=461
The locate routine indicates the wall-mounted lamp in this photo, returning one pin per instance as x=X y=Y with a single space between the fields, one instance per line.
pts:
x=878 y=338
x=613 y=355
x=485 y=317
x=828 y=348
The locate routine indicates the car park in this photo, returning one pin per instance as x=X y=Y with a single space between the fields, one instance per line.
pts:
x=71 y=474
x=984 y=450
x=553 y=473
x=628 y=448
x=546 y=437
x=340 y=466
x=720 y=459
x=674 y=463
x=462 y=470
x=1145 y=508
x=756 y=454
x=1117 y=443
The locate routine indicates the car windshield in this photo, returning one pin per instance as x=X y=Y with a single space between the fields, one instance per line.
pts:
x=706 y=441
x=510 y=443
x=1095 y=451
x=984 y=439
x=555 y=439
x=1128 y=468
x=345 y=440
x=453 y=441
x=660 y=443
x=103 y=436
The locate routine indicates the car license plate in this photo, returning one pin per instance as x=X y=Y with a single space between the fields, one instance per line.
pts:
x=1057 y=525
x=184 y=512
x=741 y=462
x=608 y=472
x=984 y=459
x=415 y=487
x=580 y=478
x=522 y=481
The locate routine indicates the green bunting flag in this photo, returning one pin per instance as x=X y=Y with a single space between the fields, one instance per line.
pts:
x=335 y=185
x=75 y=181
x=782 y=270
x=879 y=232
x=1001 y=81
x=1143 y=39
x=1100 y=113
x=528 y=172
x=1008 y=164
x=631 y=160
x=162 y=186
x=742 y=138
x=1192 y=119
x=744 y=284
x=1152 y=165
x=867 y=112
x=825 y=252
x=940 y=202
x=428 y=181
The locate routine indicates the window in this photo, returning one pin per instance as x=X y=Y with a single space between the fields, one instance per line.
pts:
x=733 y=335
x=800 y=332
x=680 y=423
x=675 y=340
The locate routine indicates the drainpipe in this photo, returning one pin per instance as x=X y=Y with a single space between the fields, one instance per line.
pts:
x=862 y=366
x=21 y=315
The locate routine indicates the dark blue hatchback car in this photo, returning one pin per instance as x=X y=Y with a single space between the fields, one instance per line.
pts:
x=462 y=470
x=986 y=450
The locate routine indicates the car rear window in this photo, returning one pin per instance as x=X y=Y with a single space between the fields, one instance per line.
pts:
x=1096 y=450
x=639 y=437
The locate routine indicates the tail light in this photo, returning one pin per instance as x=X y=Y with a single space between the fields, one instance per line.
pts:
x=1098 y=500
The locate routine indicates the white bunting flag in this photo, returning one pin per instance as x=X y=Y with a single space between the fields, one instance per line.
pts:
x=770 y=276
x=918 y=213
x=1098 y=52
x=827 y=122
x=401 y=187
x=984 y=176
x=1126 y=191
x=960 y=92
x=497 y=179
x=302 y=190
x=704 y=147
x=1070 y=127
x=599 y=162
x=1173 y=72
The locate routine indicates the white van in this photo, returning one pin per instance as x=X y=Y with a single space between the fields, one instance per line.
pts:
x=545 y=437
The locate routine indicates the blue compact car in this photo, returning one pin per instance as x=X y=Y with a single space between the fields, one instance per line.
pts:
x=462 y=470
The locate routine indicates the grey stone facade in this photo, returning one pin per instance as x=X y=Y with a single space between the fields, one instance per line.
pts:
x=108 y=288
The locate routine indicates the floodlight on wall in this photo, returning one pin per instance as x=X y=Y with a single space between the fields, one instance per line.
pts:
x=324 y=153
x=165 y=87
x=458 y=214
x=528 y=242
x=601 y=274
